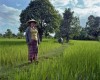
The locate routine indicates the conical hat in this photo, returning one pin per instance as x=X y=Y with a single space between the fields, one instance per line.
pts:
x=32 y=20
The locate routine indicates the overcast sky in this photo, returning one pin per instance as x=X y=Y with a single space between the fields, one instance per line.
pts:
x=11 y=9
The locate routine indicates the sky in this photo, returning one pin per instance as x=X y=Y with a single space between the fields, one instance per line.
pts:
x=11 y=9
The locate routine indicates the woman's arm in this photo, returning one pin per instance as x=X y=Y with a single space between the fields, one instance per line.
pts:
x=27 y=35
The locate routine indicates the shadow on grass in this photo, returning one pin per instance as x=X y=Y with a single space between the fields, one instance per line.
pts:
x=12 y=42
x=45 y=41
x=71 y=43
x=23 y=64
x=34 y=62
x=56 y=42
x=3 y=77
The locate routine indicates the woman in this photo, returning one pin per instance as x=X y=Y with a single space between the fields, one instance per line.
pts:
x=32 y=40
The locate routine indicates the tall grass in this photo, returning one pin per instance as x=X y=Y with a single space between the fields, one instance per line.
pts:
x=15 y=51
x=83 y=60
x=79 y=61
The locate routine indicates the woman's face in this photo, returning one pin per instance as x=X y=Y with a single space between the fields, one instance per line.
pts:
x=32 y=24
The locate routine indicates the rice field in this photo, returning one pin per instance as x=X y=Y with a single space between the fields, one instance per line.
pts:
x=77 y=60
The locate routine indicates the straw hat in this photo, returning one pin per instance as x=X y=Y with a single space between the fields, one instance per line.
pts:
x=32 y=20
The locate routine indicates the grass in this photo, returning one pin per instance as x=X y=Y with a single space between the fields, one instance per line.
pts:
x=77 y=60
x=14 y=51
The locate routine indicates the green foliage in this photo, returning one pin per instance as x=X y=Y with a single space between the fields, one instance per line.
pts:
x=57 y=34
x=20 y=35
x=1 y=35
x=14 y=35
x=75 y=28
x=93 y=26
x=43 y=12
x=8 y=33
x=66 y=23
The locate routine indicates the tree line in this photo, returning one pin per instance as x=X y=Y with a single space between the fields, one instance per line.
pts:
x=66 y=26
x=70 y=27
x=9 y=34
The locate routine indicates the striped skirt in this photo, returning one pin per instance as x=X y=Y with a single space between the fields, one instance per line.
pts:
x=32 y=50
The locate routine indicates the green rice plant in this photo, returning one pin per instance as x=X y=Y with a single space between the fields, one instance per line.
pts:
x=78 y=60
x=15 y=51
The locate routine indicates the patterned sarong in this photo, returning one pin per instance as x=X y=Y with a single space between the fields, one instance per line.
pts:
x=32 y=50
